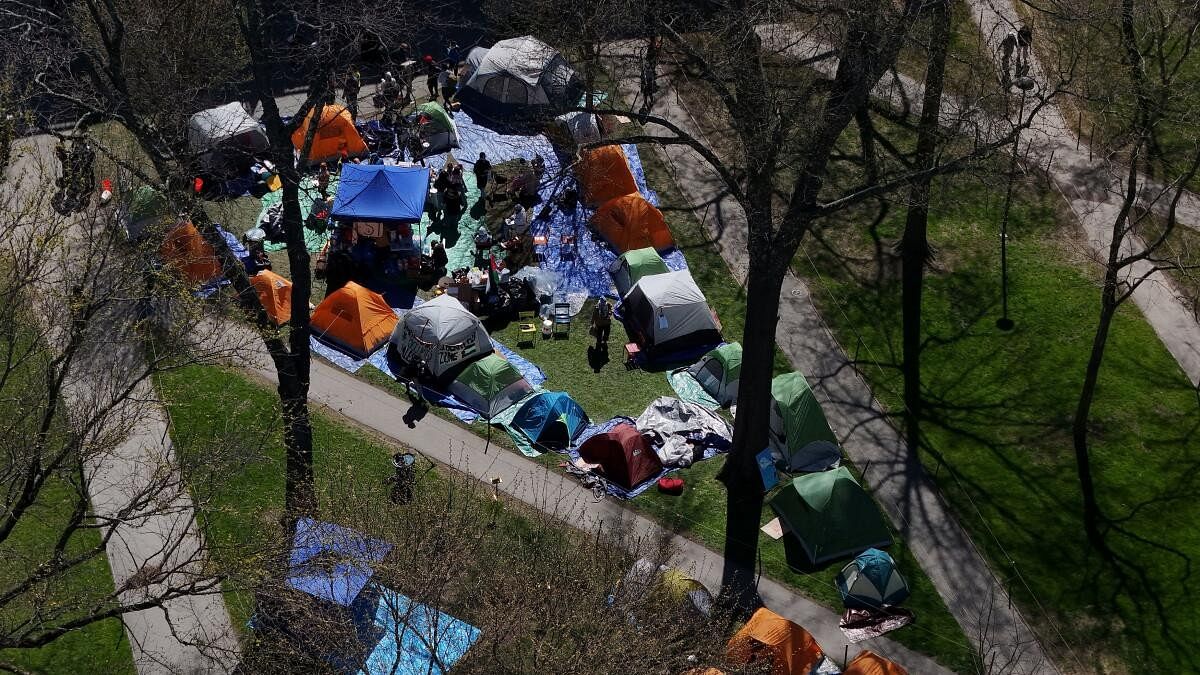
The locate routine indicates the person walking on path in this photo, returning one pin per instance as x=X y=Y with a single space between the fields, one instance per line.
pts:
x=483 y=173
x=350 y=89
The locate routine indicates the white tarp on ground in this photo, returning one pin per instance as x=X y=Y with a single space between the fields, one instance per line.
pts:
x=674 y=421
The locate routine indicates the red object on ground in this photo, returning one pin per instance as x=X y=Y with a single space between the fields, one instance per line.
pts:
x=198 y=184
x=671 y=486
x=427 y=58
x=106 y=184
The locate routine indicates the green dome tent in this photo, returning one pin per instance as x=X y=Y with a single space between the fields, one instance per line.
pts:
x=718 y=372
x=871 y=581
x=435 y=127
x=799 y=432
x=490 y=385
x=830 y=515
x=628 y=269
x=145 y=209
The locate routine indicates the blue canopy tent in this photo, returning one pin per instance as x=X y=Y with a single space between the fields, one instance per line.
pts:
x=551 y=419
x=380 y=193
x=417 y=639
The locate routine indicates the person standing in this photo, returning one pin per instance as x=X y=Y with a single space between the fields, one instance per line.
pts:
x=483 y=172
x=447 y=84
x=350 y=89
x=602 y=323
x=431 y=76
x=323 y=180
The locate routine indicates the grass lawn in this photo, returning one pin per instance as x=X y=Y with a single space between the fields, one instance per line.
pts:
x=97 y=647
x=1000 y=444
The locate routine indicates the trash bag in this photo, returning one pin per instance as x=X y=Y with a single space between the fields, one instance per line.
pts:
x=272 y=223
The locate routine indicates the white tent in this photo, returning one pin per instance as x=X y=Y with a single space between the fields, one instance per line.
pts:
x=525 y=71
x=216 y=131
x=442 y=334
x=581 y=126
x=668 y=312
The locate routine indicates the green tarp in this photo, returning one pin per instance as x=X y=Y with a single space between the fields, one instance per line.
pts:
x=314 y=241
x=830 y=515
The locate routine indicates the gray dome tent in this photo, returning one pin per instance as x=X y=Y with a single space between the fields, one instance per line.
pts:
x=668 y=312
x=225 y=136
x=442 y=333
x=524 y=71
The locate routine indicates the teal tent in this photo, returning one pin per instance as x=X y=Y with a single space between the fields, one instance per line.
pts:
x=871 y=581
x=830 y=515
x=799 y=433
x=551 y=419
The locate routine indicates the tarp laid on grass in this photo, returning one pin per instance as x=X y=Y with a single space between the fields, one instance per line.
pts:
x=417 y=639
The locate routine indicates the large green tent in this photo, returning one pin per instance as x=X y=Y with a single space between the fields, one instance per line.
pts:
x=438 y=128
x=830 y=515
x=799 y=432
x=718 y=372
x=633 y=265
x=490 y=385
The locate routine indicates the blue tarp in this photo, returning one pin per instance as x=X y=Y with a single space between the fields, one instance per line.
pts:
x=239 y=251
x=332 y=562
x=548 y=417
x=417 y=639
x=379 y=192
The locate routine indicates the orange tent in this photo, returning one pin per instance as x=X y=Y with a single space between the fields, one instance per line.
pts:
x=185 y=250
x=355 y=319
x=603 y=174
x=335 y=134
x=275 y=294
x=789 y=648
x=630 y=222
x=869 y=663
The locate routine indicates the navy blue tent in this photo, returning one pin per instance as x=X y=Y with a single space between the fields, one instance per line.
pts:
x=332 y=563
x=552 y=419
x=375 y=192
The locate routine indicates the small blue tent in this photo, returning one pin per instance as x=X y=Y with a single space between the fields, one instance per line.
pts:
x=416 y=639
x=551 y=419
x=375 y=192
x=331 y=562
x=871 y=581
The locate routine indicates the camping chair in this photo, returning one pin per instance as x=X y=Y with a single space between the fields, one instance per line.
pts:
x=562 y=317
x=527 y=331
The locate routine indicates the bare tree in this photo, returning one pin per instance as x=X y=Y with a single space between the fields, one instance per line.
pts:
x=79 y=351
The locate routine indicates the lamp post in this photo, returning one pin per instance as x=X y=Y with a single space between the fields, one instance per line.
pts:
x=1004 y=323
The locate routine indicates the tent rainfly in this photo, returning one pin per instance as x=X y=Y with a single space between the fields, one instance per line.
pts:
x=522 y=74
x=604 y=174
x=631 y=266
x=490 y=385
x=667 y=313
x=786 y=646
x=145 y=210
x=798 y=432
x=193 y=258
x=869 y=663
x=442 y=334
x=719 y=371
x=380 y=193
x=275 y=294
x=871 y=581
x=623 y=453
x=335 y=136
x=354 y=319
x=225 y=135
x=630 y=222
x=551 y=419
x=434 y=127
x=830 y=515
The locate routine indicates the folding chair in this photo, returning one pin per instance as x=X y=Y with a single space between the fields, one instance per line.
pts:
x=562 y=317
x=527 y=333
x=566 y=250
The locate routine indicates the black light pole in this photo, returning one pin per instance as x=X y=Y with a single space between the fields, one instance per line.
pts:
x=1004 y=323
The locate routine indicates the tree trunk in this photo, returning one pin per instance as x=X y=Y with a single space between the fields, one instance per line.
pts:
x=915 y=242
x=743 y=485
x=1092 y=515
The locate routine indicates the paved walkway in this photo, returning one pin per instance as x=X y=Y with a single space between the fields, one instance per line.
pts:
x=971 y=590
x=554 y=492
x=188 y=634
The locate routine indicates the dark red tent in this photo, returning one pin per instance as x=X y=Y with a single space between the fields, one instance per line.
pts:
x=626 y=457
